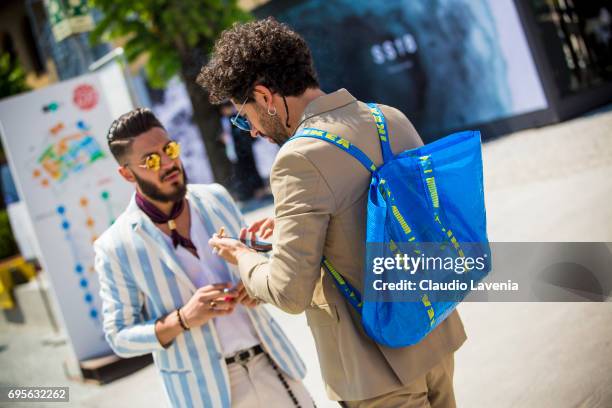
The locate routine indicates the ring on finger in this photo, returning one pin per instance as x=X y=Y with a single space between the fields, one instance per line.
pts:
x=212 y=304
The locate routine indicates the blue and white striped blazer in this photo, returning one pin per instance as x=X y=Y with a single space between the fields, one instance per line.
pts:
x=141 y=280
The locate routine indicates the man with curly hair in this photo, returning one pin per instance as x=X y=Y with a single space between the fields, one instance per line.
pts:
x=267 y=71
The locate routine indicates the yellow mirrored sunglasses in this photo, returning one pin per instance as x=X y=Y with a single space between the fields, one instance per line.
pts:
x=153 y=161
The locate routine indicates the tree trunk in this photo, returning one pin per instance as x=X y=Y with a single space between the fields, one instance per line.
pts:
x=206 y=116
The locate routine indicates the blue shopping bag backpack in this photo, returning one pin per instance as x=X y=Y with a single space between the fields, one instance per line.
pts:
x=430 y=195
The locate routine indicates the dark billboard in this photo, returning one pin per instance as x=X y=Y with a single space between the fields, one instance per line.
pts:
x=446 y=64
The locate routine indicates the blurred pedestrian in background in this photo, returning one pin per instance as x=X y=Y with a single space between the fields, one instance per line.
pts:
x=246 y=181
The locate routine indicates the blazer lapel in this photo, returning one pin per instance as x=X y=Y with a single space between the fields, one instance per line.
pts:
x=154 y=240
x=212 y=223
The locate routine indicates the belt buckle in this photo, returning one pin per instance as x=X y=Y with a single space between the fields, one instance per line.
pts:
x=243 y=357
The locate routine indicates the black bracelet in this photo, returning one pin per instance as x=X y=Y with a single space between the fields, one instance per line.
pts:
x=180 y=319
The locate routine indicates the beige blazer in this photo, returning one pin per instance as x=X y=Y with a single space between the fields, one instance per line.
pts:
x=320 y=208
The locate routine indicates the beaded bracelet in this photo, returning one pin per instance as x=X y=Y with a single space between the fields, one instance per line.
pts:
x=181 y=321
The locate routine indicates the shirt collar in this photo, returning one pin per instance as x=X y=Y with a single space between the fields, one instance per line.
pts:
x=136 y=216
x=326 y=103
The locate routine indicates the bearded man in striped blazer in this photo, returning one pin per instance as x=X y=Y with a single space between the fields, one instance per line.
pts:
x=164 y=292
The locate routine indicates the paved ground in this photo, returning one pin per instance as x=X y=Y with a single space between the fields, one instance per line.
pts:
x=549 y=184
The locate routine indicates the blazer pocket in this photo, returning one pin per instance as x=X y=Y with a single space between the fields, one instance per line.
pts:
x=322 y=315
x=166 y=364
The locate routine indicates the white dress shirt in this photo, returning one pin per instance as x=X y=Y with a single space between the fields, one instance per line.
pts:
x=235 y=331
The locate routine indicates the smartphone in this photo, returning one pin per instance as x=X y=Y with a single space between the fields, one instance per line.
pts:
x=259 y=246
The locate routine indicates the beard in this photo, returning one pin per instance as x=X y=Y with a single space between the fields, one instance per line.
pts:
x=153 y=192
x=272 y=126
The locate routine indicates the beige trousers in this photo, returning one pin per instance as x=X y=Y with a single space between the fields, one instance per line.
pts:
x=257 y=385
x=432 y=390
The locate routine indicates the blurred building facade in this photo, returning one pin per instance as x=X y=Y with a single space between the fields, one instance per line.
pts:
x=27 y=33
x=573 y=42
x=17 y=38
x=570 y=41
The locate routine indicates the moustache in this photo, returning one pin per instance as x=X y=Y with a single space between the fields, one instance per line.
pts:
x=169 y=172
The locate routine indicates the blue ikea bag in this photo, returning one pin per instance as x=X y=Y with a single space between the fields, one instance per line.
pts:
x=432 y=194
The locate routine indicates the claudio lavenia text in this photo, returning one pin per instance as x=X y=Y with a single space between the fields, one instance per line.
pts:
x=452 y=286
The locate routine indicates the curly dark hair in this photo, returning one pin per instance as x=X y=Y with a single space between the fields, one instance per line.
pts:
x=263 y=52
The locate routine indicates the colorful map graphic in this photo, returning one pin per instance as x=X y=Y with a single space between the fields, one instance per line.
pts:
x=69 y=154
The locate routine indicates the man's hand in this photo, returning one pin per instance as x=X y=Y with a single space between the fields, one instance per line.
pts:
x=263 y=228
x=208 y=302
x=229 y=249
x=244 y=298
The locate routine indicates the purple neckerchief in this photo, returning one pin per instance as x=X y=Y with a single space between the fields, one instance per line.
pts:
x=159 y=217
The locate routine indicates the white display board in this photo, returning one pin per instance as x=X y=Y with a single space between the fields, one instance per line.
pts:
x=55 y=140
x=526 y=91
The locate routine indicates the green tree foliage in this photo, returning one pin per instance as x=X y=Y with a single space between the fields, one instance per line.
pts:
x=177 y=36
x=12 y=82
x=12 y=76
x=8 y=247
